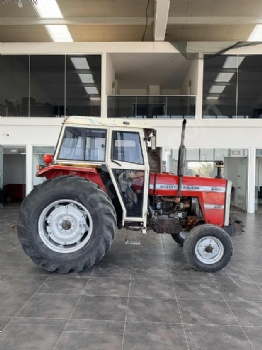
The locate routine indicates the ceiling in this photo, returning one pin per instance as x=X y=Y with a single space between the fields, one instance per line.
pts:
x=134 y=20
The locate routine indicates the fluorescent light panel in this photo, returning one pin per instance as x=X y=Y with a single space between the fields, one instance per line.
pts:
x=224 y=77
x=95 y=98
x=80 y=63
x=233 y=62
x=86 y=78
x=59 y=33
x=48 y=9
x=256 y=34
x=212 y=97
x=217 y=89
x=92 y=90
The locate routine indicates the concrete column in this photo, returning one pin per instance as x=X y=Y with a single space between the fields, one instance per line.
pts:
x=200 y=77
x=251 y=181
x=103 y=87
x=29 y=168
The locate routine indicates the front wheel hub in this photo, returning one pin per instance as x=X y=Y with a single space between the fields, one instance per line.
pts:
x=209 y=250
x=65 y=226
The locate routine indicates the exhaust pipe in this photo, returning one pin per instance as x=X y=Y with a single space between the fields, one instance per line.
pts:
x=181 y=160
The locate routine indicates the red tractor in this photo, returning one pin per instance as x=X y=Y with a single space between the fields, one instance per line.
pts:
x=99 y=179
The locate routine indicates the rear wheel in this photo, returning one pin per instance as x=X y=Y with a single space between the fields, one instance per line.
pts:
x=66 y=224
x=208 y=248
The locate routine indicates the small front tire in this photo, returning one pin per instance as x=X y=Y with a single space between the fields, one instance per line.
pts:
x=208 y=248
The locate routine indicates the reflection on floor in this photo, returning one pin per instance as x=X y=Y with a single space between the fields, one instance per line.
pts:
x=138 y=297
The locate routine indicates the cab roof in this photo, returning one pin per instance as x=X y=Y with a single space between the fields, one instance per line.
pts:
x=97 y=121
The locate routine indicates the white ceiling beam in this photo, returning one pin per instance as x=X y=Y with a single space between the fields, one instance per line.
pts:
x=159 y=25
x=161 y=18
x=216 y=20
x=10 y=21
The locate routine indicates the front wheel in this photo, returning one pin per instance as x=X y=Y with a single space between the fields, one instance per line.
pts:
x=66 y=224
x=208 y=248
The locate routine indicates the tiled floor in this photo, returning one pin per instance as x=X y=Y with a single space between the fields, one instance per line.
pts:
x=138 y=297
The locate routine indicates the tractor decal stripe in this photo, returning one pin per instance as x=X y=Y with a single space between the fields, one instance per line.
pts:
x=194 y=188
x=213 y=206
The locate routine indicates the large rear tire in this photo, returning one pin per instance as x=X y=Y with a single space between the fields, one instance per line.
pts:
x=208 y=248
x=66 y=224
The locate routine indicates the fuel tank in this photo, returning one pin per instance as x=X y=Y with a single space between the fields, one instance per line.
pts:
x=211 y=193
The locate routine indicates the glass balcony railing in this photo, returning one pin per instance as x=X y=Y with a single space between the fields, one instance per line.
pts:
x=149 y=106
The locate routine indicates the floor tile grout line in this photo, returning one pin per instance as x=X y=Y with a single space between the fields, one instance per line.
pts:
x=71 y=313
x=127 y=303
x=125 y=322
x=25 y=304
x=235 y=317
x=180 y=315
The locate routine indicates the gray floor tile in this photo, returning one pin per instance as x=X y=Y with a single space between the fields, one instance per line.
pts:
x=154 y=337
x=25 y=337
x=25 y=284
x=216 y=338
x=101 y=308
x=10 y=304
x=92 y=335
x=4 y=321
x=8 y=267
x=240 y=291
x=152 y=287
x=248 y=313
x=49 y=306
x=197 y=290
x=147 y=310
x=206 y=312
x=107 y=286
x=254 y=336
x=187 y=273
x=59 y=284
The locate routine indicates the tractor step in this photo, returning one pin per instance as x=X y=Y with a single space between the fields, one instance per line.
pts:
x=135 y=242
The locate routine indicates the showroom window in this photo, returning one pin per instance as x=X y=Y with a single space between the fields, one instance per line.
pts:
x=232 y=87
x=50 y=85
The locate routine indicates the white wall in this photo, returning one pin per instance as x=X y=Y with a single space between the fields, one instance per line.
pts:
x=192 y=75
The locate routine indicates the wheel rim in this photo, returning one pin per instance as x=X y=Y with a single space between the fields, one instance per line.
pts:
x=65 y=226
x=209 y=250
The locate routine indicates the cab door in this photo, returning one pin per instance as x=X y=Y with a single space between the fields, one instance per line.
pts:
x=129 y=171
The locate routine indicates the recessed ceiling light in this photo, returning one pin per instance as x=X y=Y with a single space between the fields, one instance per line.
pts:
x=92 y=90
x=92 y=98
x=224 y=77
x=59 y=33
x=48 y=9
x=217 y=89
x=256 y=34
x=86 y=78
x=80 y=63
x=233 y=61
x=212 y=97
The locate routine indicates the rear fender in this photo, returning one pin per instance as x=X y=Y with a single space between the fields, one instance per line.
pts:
x=91 y=174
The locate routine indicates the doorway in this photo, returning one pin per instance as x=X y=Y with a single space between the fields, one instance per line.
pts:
x=236 y=171
x=14 y=175
x=258 y=182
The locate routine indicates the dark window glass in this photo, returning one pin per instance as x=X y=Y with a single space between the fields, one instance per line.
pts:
x=131 y=185
x=83 y=85
x=220 y=86
x=127 y=147
x=250 y=87
x=83 y=144
x=47 y=83
x=14 y=87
